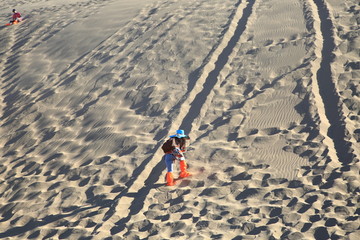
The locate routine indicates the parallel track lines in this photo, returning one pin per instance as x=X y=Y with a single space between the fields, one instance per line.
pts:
x=332 y=125
x=128 y=205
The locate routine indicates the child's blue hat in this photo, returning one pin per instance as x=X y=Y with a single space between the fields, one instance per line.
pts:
x=179 y=134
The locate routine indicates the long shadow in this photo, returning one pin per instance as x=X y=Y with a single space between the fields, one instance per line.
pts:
x=337 y=130
x=212 y=78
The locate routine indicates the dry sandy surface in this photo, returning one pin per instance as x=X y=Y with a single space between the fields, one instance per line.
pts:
x=268 y=91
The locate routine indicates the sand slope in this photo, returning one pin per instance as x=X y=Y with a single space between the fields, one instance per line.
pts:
x=267 y=89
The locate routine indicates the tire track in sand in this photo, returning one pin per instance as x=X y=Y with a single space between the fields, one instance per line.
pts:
x=212 y=70
x=332 y=124
x=132 y=201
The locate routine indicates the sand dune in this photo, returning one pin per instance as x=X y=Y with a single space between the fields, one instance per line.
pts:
x=268 y=91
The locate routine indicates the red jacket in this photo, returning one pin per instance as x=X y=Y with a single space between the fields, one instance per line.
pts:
x=16 y=16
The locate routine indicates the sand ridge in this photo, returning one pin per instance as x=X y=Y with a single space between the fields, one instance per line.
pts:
x=267 y=90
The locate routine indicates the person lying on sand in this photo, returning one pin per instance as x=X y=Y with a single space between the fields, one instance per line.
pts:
x=174 y=149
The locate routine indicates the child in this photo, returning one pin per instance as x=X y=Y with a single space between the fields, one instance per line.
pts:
x=16 y=17
x=174 y=149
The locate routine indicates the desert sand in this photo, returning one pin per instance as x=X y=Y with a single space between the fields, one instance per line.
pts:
x=268 y=91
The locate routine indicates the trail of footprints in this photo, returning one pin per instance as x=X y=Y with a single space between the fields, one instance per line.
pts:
x=171 y=212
